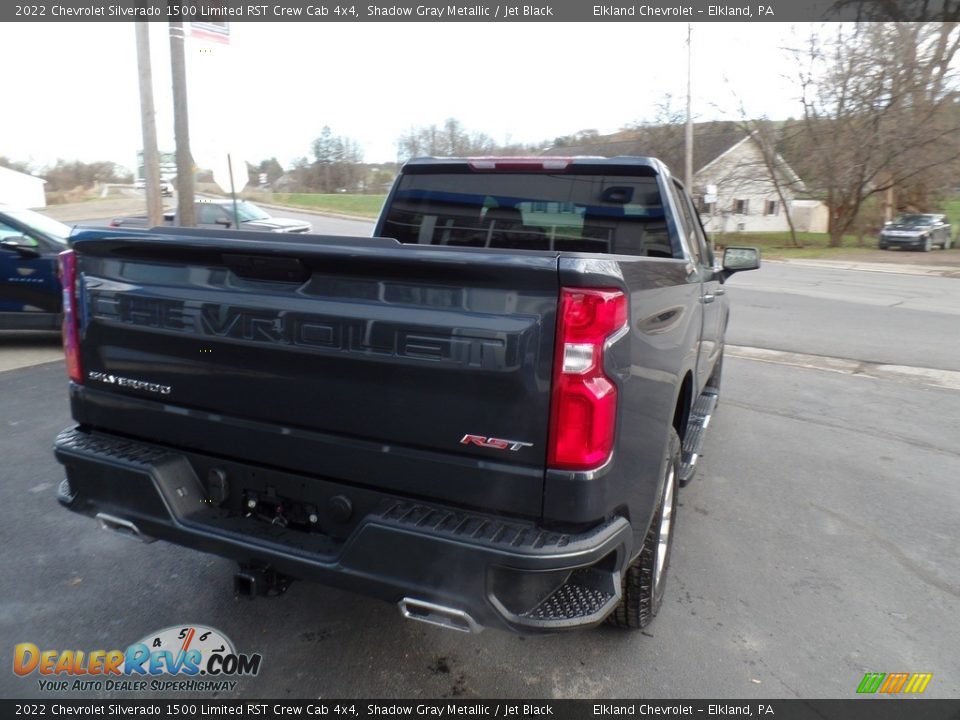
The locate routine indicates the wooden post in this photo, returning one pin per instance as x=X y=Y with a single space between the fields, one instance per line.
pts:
x=688 y=134
x=148 y=126
x=186 y=210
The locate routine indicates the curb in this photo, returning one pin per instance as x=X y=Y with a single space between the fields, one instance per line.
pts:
x=927 y=270
x=931 y=377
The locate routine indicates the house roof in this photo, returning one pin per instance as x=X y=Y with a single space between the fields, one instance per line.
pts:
x=666 y=142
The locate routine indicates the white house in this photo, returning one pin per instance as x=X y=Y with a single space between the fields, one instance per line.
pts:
x=17 y=188
x=736 y=192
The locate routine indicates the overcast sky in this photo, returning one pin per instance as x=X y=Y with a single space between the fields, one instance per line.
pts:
x=71 y=89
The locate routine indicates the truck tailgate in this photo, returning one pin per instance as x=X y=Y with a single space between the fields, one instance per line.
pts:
x=357 y=359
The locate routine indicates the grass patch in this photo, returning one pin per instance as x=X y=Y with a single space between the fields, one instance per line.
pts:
x=360 y=205
x=952 y=209
x=778 y=244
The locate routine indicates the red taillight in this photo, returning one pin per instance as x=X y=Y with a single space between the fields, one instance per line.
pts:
x=71 y=321
x=519 y=163
x=583 y=410
x=115 y=222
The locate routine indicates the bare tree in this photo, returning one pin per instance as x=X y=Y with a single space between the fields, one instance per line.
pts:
x=70 y=174
x=664 y=132
x=879 y=112
x=14 y=164
x=336 y=163
x=915 y=11
x=454 y=140
x=767 y=136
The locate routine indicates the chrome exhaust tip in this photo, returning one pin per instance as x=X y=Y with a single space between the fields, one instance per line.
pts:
x=122 y=527
x=439 y=615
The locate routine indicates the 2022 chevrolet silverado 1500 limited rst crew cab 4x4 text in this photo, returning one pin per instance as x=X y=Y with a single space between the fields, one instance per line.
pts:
x=481 y=414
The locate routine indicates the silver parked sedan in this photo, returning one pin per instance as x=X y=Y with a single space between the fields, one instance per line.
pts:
x=919 y=231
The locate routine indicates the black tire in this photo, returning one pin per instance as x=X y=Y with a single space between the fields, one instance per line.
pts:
x=645 y=578
x=881 y=246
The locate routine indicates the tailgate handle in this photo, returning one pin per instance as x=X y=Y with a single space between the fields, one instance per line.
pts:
x=264 y=267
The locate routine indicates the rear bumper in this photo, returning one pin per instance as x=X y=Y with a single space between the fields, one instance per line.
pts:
x=497 y=572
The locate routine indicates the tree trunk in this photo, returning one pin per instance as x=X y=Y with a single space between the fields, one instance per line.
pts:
x=797 y=243
x=835 y=230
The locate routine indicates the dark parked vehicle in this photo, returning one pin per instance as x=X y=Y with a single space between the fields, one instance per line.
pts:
x=219 y=214
x=918 y=231
x=482 y=414
x=30 y=294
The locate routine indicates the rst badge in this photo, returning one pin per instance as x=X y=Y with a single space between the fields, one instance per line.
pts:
x=493 y=443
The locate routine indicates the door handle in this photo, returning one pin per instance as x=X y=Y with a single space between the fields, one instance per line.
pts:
x=720 y=291
x=708 y=298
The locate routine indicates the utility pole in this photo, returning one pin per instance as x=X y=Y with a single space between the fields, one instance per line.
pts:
x=148 y=124
x=688 y=139
x=186 y=211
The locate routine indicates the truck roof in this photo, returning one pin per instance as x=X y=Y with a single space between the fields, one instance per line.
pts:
x=537 y=162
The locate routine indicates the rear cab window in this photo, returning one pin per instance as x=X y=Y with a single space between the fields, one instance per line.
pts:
x=592 y=212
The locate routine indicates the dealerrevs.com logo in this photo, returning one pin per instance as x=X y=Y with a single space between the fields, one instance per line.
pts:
x=181 y=658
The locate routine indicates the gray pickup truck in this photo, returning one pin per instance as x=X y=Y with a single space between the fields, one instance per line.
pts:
x=482 y=414
x=216 y=213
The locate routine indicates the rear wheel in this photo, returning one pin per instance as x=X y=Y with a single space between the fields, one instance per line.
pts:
x=643 y=581
x=948 y=243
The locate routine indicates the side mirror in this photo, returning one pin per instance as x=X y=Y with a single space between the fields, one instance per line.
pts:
x=223 y=221
x=738 y=259
x=21 y=245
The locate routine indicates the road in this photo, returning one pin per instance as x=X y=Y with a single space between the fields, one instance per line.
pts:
x=817 y=543
x=872 y=316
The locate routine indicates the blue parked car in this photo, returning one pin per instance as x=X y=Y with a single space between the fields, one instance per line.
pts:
x=30 y=297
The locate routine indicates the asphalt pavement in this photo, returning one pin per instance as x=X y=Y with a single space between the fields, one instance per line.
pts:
x=817 y=543
x=902 y=319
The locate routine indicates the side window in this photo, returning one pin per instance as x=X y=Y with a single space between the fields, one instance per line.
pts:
x=7 y=231
x=209 y=214
x=688 y=223
x=706 y=251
